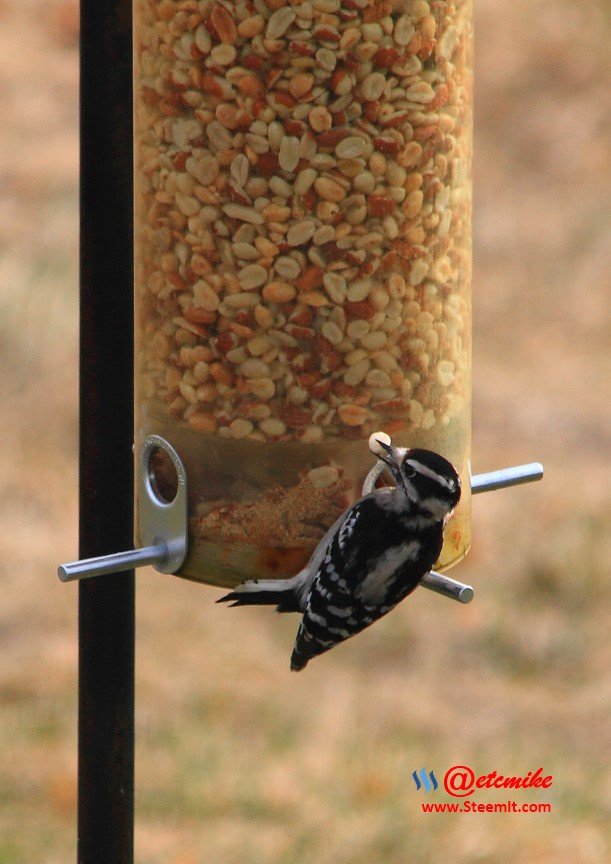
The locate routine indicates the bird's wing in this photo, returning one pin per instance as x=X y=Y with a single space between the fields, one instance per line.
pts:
x=308 y=574
x=333 y=611
x=372 y=562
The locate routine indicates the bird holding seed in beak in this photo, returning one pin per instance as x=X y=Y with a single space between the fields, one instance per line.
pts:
x=374 y=555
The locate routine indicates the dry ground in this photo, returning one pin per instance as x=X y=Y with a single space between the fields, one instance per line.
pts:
x=238 y=761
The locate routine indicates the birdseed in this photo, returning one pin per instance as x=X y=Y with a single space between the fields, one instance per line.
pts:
x=303 y=200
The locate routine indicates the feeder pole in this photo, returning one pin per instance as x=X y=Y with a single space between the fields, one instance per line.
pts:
x=106 y=604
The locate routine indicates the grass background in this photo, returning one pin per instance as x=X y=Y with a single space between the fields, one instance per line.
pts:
x=237 y=760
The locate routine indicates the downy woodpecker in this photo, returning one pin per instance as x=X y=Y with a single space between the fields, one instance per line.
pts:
x=374 y=555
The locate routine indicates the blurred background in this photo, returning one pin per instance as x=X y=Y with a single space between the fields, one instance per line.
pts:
x=237 y=760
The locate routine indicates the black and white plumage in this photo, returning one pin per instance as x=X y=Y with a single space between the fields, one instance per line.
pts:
x=370 y=559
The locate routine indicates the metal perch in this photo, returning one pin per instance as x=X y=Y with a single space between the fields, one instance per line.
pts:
x=165 y=524
x=487 y=482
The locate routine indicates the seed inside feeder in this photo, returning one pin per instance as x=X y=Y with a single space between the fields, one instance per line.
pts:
x=374 y=443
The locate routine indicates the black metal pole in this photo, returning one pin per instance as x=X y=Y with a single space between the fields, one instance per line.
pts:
x=106 y=604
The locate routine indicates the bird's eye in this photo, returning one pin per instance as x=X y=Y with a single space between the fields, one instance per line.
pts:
x=410 y=473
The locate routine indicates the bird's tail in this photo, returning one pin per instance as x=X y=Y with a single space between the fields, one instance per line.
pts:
x=298 y=661
x=268 y=592
x=308 y=645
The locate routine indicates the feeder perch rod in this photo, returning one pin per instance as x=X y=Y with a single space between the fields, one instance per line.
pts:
x=506 y=477
x=437 y=582
x=165 y=524
x=118 y=562
x=482 y=483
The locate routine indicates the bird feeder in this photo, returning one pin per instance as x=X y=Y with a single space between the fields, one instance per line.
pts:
x=302 y=260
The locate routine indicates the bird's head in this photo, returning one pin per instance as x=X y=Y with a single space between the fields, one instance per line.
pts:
x=429 y=481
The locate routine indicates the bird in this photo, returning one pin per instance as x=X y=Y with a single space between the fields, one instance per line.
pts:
x=370 y=559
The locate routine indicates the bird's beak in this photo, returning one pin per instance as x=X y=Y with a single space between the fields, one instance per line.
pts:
x=393 y=459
